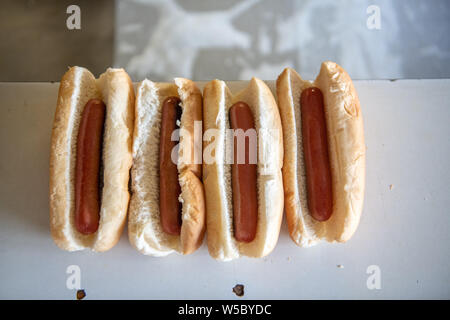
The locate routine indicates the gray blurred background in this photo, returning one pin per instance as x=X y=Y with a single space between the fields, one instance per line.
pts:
x=227 y=39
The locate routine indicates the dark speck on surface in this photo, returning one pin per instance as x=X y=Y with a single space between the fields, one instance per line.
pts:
x=81 y=294
x=239 y=290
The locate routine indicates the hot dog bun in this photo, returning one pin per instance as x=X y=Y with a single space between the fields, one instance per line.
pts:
x=346 y=151
x=217 y=100
x=144 y=225
x=78 y=86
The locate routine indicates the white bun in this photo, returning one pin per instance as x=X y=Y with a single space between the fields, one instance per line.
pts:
x=217 y=100
x=144 y=226
x=346 y=150
x=77 y=87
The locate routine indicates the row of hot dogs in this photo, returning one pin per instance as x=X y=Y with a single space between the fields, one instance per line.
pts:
x=177 y=163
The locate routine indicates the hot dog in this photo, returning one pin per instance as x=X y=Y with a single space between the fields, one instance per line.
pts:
x=315 y=147
x=324 y=164
x=169 y=188
x=87 y=197
x=244 y=201
x=167 y=208
x=90 y=159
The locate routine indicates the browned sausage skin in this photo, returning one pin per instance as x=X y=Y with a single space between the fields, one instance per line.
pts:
x=245 y=198
x=169 y=187
x=315 y=149
x=87 y=176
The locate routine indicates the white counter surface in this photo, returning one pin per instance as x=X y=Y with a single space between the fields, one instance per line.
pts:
x=404 y=228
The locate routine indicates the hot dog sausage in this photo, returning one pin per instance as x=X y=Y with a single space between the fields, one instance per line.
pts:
x=315 y=146
x=89 y=147
x=169 y=187
x=245 y=201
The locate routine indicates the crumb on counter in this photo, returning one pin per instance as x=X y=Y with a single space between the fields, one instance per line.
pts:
x=391 y=186
x=81 y=294
x=239 y=290
x=288 y=258
x=340 y=266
